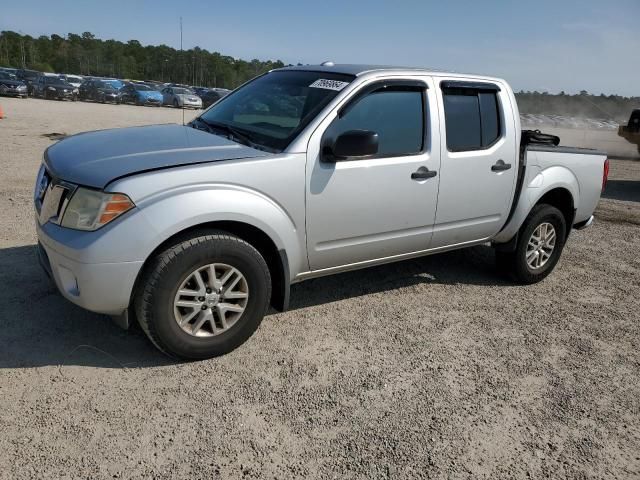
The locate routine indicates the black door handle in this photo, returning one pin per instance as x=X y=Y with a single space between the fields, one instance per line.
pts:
x=423 y=173
x=500 y=166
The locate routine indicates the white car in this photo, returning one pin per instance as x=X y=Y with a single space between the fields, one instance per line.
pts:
x=74 y=80
x=180 y=97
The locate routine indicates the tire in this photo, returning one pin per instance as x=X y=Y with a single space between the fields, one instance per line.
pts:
x=515 y=263
x=168 y=272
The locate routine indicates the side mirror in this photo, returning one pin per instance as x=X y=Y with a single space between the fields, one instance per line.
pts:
x=353 y=144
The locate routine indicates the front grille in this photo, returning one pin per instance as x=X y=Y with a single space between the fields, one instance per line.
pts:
x=52 y=197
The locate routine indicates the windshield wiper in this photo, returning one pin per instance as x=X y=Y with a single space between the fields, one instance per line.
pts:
x=231 y=133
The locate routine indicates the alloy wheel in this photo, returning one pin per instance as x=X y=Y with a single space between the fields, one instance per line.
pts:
x=211 y=300
x=541 y=245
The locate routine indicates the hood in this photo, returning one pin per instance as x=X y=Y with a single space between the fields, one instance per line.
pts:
x=15 y=83
x=60 y=86
x=149 y=94
x=184 y=96
x=94 y=159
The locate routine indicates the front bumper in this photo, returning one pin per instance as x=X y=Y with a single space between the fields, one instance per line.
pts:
x=110 y=97
x=151 y=101
x=61 y=95
x=11 y=92
x=99 y=287
x=196 y=105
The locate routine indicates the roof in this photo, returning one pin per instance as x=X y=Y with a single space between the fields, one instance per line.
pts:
x=358 y=70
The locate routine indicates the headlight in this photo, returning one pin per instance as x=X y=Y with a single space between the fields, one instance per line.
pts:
x=75 y=90
x=92 y=209
x=51 y=88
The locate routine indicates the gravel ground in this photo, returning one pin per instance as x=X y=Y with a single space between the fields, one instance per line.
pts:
x=434 y=368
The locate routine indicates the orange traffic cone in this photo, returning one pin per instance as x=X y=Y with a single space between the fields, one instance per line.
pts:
x=1 y=113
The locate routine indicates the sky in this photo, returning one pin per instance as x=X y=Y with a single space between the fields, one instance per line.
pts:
x=545 y=45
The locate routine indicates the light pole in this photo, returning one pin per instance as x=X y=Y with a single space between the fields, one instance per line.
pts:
x=162 y=70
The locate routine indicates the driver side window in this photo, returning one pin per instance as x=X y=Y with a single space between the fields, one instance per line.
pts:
x=396 y=114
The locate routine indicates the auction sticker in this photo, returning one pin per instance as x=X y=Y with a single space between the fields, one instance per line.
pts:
x=329 y=84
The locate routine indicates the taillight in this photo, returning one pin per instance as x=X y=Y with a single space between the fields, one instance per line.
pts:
x=605 y=173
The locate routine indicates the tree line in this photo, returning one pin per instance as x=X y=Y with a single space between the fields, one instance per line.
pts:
x=87 y=55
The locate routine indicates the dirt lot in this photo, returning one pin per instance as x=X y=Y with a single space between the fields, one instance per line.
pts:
x=434 y=368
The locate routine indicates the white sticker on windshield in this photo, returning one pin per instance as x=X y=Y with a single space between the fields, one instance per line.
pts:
x=329 y=84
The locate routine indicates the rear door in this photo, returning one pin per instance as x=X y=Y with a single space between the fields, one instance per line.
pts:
x=382 y=205
x=479 y=161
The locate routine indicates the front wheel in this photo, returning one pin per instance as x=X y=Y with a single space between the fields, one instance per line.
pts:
x=204 y=296
x=540 y=243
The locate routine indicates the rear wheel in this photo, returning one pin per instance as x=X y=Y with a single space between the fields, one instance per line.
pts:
x=204 y=296
x=540 y=243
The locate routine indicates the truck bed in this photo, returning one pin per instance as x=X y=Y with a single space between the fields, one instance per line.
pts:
x=584 y=164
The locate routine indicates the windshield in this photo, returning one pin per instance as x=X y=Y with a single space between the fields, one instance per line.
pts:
x=274 y=108
x=54 y=81
x=182 y=91
x=7 y=76
x=73 y=79
x=142 y=88
x=105 y=85
x=117 y=84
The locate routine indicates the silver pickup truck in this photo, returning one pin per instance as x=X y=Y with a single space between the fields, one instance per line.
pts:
x=302 y=172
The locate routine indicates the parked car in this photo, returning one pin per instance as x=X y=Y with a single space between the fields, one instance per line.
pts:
x=199 y=91
x=212 y=96
x=52 y=87
x=11 y=86
x=631 y=131
x=9 y=70
x=302 y=172
x=74 y=80
x=180 y=97
x=99 y=91
x=140 y=94
x=155 y=85
x=28 y=77
x=114 y=82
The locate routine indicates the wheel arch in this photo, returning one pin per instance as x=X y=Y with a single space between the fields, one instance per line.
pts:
x=563 y=193
x=276 y=258
x=562 y=199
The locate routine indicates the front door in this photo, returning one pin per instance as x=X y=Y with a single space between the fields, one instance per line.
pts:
x=479 y=161
x=383 y=205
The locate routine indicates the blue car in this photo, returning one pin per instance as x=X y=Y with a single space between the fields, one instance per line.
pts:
x=140 y=94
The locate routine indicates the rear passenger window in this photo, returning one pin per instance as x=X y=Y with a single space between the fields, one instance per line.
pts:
x=396 y=114
x=472 y=118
